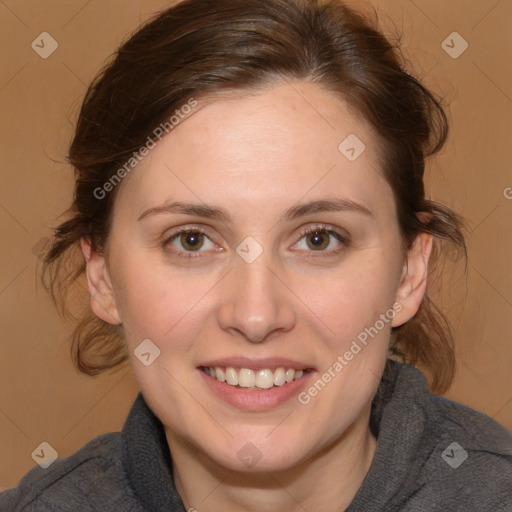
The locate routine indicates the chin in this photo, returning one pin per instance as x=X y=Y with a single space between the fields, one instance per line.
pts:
x=249 y=459
x=256 y=453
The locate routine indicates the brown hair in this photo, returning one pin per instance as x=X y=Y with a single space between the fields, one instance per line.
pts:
x=200 y=48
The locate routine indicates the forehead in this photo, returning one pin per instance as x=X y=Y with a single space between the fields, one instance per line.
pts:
x=269 y=148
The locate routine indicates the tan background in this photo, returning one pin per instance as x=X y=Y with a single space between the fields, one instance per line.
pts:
x=42 y=397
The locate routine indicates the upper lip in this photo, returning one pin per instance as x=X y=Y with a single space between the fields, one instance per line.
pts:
x=257 y=364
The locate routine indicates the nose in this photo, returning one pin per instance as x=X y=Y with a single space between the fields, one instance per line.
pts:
x=256 y=304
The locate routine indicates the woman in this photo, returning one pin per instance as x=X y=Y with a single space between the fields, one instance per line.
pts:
x=254 y=232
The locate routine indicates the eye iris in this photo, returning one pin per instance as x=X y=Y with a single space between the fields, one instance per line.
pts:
x=192 y=241
x=318 y=240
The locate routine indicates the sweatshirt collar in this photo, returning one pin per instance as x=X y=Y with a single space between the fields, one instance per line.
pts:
x=403 y=420
x=147 y=461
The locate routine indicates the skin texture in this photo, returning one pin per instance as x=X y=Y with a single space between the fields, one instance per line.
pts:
x=257 y=155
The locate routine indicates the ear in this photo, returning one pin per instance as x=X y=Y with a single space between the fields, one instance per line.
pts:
x=101 y=291
x=413 y=281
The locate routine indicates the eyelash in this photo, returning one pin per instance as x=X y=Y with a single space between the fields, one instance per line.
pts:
x=329 y=230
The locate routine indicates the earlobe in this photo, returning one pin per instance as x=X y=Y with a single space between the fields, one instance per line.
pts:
x=413 y=281
x=101 y=291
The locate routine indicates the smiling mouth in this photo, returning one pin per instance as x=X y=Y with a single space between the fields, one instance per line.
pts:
x=247 y=379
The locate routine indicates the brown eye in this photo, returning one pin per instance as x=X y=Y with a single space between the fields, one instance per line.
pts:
x=192 y=240
x=189 y=242
x=321 y=240
x=318 y=240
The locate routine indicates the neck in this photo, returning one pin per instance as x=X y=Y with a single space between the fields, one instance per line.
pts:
x=331 y=476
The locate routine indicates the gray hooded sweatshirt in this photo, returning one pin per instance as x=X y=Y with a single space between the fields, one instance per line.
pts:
x=432 y=454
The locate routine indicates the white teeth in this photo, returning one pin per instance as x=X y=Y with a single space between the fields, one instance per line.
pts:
x=264 y=379
x=247 y=378
x=290 y=374
x=279 y=377
x=231 y=376
x=219 y=373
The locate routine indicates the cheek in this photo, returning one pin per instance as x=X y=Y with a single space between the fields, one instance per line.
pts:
x=351 y=297
x=157 y=304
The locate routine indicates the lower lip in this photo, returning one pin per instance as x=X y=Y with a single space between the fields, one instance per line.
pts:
x=254 y=400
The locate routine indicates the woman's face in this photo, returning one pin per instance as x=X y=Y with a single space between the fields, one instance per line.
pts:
x=247 y=292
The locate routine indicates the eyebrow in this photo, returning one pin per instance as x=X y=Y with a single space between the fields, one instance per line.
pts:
x=222 y=215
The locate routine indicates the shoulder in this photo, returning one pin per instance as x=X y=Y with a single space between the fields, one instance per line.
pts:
x=435 y=453
x=480 y=431
x=91 y=478
x=470 y=459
